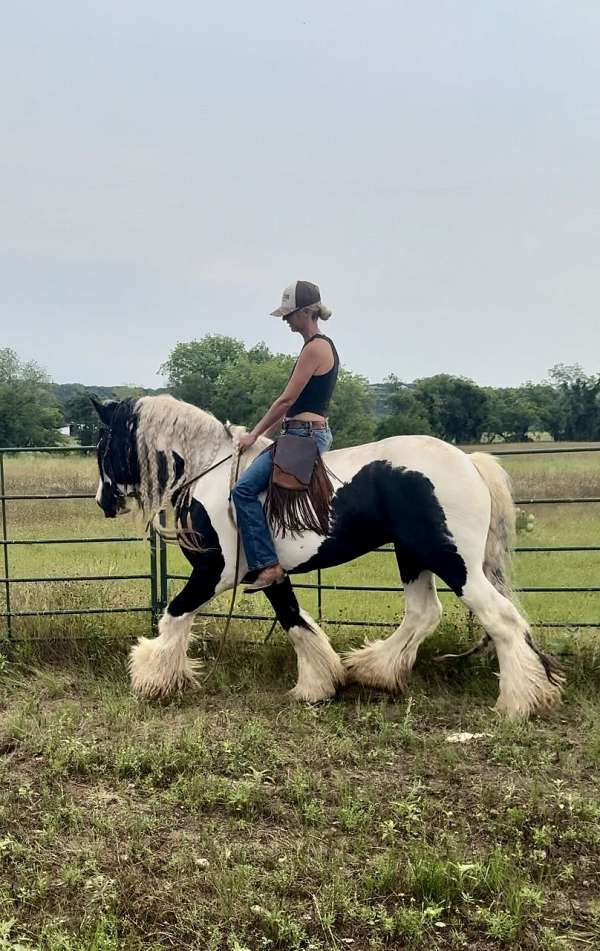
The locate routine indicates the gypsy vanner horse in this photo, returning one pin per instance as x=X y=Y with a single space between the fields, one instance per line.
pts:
x=447 y=513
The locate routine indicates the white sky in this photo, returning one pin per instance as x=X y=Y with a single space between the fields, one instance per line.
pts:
x=166 y=168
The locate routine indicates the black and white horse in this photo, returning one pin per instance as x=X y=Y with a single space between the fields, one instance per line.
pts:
x=446 y=513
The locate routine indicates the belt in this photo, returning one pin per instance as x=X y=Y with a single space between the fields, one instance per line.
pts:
x=304 y=424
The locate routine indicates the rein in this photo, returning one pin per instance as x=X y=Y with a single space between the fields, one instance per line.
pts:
x=204 y=472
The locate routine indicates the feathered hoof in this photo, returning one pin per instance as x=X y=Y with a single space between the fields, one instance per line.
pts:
x=304 y=694
x=539 y=699
x=371 y=666
x=531 y=682
x=159 y=672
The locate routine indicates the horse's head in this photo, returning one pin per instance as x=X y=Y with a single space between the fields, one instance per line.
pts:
x=117 y=456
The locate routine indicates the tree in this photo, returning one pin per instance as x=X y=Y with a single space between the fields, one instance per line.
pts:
x=194 y=369
x=514 y=413
x=352 y=414
x=29 y=416
x=220 y=375
x=247 y=388
x=83 y=418
x=577 y=403
x=457 y=409
x=405 y=414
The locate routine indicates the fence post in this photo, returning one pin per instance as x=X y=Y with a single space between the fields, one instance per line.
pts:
x=5 y=546
x=154 y=605
x=163 y=594
x=319 y=597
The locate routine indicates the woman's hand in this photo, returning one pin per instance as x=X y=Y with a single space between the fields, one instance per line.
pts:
x=246 y=440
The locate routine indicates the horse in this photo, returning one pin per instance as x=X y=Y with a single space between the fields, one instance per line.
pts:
x=447 y=513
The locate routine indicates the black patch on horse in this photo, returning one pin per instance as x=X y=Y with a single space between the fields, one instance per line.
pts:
x=178 y=466
x=383 y=504
x=207 y=565
x=162 y=468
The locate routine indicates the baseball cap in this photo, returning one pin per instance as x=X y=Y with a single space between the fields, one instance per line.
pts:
x=298 y=295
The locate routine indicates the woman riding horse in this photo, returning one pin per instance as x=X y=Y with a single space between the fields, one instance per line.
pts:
x=302 y=407
x=447 y=514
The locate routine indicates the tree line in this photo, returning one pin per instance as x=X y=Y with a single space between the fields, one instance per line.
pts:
x=222 y=375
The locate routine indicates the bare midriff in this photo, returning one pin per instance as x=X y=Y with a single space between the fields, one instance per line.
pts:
x=309 y=417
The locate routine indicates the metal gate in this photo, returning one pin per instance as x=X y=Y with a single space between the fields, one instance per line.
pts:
x=158 y=575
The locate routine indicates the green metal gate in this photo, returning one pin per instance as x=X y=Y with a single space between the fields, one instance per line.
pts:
x=158 y=575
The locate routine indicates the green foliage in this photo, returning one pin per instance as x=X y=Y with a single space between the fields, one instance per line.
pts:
x=29 y=416
x=84 y=420
x=247 y=388
x=220 y=375
x=351 y=416
x=405 y=413
x=194 y=369
x=515 y=412
x=456 y=407
x=458 y=410
x=576 y=413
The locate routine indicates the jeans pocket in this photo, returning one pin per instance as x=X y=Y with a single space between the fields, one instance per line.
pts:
x=323 y=439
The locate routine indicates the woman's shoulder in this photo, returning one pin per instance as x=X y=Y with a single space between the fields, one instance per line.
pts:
x=321 y=342
x=318 y=346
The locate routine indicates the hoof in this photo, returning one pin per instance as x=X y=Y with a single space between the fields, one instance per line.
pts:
x=370 y=666
x=306 y=695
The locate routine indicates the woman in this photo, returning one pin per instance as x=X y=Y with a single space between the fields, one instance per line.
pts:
x=302 y=407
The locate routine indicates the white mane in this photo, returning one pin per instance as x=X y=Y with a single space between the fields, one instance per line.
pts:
x=166 y=424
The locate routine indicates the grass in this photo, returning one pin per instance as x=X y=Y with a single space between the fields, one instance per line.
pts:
x=231 y=820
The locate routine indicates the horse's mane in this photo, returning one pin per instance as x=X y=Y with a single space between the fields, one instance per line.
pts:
x=166 y=426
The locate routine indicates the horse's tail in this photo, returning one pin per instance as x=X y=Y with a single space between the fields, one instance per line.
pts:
x=501 y=533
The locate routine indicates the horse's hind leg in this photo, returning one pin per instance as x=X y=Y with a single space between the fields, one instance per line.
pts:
x=387 y=663
x=320 y=670
x=529 y=680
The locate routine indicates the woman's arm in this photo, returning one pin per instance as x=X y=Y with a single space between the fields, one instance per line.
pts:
x=307 y=364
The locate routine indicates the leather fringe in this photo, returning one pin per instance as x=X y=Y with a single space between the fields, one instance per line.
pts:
x=294 y=511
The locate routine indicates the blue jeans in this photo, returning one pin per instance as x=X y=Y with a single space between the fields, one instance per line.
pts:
x=252 y=524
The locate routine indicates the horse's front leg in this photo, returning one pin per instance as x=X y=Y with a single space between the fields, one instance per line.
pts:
x=159 y=666
x=320 y=670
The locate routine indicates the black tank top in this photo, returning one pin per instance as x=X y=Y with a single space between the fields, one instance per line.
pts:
x=316 y=395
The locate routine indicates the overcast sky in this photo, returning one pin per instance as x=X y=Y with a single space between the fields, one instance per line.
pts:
x=167 y=168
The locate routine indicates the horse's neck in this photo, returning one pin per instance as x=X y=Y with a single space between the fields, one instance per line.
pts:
x=204 y=456
x=214 y=488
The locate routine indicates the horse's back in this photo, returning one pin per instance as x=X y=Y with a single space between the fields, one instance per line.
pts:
x=432 y=457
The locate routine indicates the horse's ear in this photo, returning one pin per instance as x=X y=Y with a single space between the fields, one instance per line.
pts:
x=105 y=410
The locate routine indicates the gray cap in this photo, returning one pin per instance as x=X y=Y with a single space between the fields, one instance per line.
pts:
x=298 y=295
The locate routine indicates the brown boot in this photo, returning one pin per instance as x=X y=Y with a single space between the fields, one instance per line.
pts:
x=274 y=574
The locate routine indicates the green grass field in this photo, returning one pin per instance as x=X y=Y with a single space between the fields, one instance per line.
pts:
x=231 y=820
